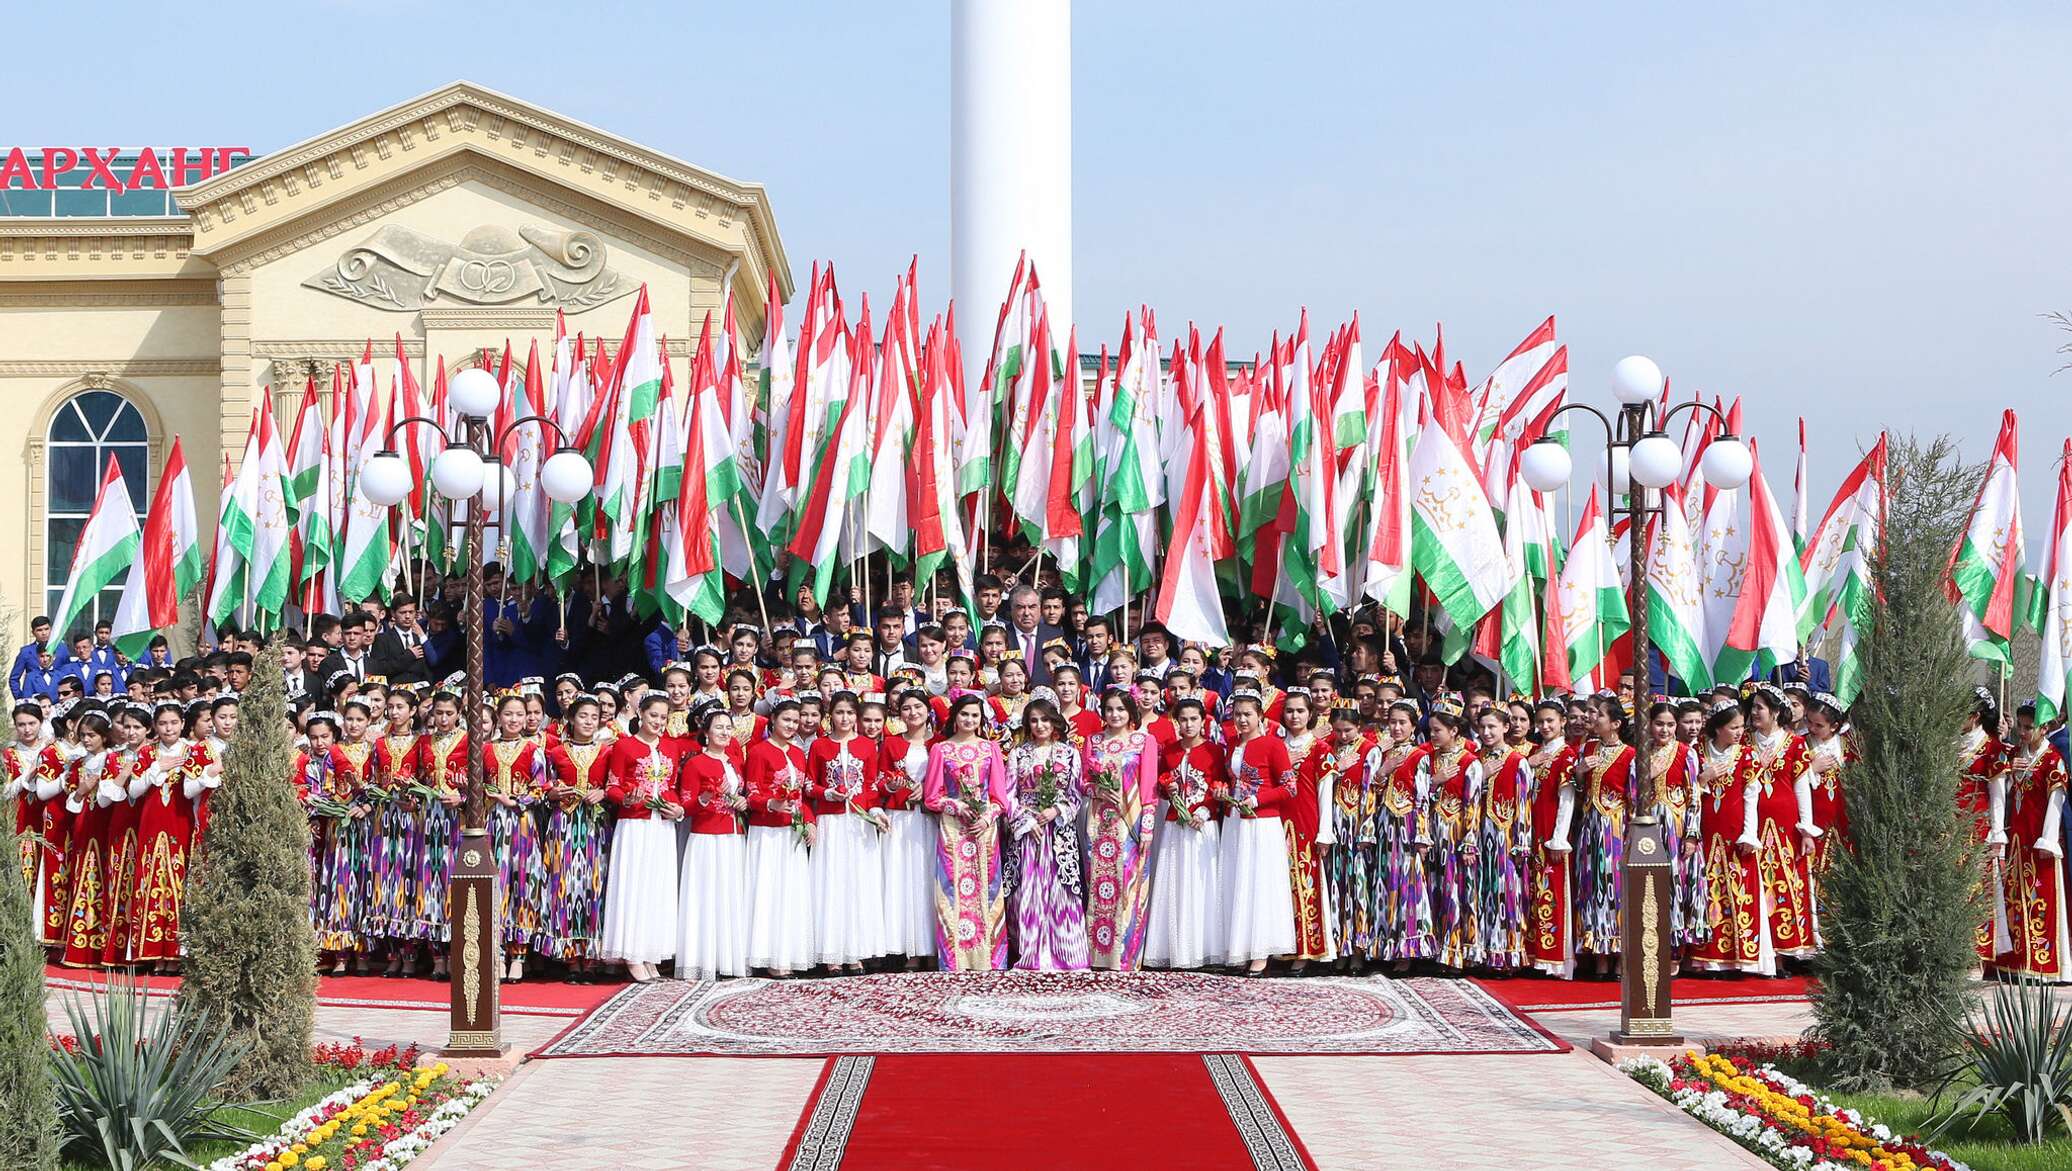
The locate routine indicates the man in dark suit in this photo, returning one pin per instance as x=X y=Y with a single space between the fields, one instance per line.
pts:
x=1027 y=632
x=399 y=650
x=1093 y=658
x=356 y=630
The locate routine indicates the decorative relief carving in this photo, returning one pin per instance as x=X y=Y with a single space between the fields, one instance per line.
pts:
x=402 y=270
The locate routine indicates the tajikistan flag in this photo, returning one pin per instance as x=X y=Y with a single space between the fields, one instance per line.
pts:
x=106 y=549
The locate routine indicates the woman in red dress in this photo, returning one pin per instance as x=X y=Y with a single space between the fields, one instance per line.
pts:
x=1739 y=933
x=133 y=726
x=1311 y=754
x=2033 y=863
x=1829 y=752
x=910 y=843
x=172 y=767
x=1550 y=920
x=89 y=791
x=1784 y=831
x=1981 y=789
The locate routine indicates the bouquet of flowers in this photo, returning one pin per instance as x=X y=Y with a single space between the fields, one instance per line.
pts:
x=1050 y=784
x=654 y=783
x=1108 y=783
x=1190 y=788
x=970 y=790
x=793 y=785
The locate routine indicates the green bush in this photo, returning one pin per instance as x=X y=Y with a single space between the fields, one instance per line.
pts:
x=251 y=955
x=28 y=1112
x=135 y=1092
x=1899 y=905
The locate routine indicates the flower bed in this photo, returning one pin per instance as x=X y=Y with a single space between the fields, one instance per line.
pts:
x=1780 y=1118
x=374 y=1125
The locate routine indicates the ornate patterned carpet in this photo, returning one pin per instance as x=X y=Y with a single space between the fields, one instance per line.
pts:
x=1051 y=1012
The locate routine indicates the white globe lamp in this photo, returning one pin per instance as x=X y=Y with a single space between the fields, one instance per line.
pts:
x=1656 y=461
x=1636 y=379
x=386 y=478
x=474 y=393
x=1615 y=471
x=566 y=476
x=457 y=473
x=499 y=488
x=1727 y=462
x=1546 y=466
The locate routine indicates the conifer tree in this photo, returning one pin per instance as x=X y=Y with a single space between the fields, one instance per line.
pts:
x=28 y=1106
x=251 y=953
x=1899 y=907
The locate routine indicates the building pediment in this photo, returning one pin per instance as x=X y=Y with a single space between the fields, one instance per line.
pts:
x=316 y=188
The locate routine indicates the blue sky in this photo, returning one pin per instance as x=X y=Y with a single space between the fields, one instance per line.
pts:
x=1858 y=213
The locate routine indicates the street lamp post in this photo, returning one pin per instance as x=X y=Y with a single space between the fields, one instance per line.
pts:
x=1641 y=460
x=459 y=472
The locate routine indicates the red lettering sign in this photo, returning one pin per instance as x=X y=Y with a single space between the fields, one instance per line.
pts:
x=94 y=168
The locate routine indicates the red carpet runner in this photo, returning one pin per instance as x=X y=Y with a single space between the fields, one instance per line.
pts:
x=1531 y=994
x=521 y=999
x=1042 y=1112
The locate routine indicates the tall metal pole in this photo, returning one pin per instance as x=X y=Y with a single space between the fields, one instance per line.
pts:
x=475 y=1025
x=1647 y=952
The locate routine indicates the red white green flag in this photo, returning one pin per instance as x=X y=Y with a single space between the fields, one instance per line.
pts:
x=168 y=561
x=107 y=548
x=1839 y=591
x=1986 y=579
x=1591 y=604
x=2054 y=586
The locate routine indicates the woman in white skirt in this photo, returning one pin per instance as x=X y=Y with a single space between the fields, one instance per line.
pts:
x=909 y=846
x=1254 y=851
x=1186 y=914
x=640 y=899
x=848 y=863
x=780 y=834
x=712 y=907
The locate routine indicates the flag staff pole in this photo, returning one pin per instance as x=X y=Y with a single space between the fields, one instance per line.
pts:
x=762 y=607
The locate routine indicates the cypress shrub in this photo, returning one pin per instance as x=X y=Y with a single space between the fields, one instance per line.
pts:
x=251 y=953
x=1898 y=908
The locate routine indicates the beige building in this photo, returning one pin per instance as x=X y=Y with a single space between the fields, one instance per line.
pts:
x=458 y=220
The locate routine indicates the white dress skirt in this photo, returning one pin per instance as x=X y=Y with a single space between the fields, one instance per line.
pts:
x=640 y=898
x=908 y=851
x=1187 y=898
x=712 y=908
x=780 y=897
x=1256 y=895
x=848 y=868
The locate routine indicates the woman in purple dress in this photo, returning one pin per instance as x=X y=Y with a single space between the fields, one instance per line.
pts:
x=1122 y=791
x=1042 y=857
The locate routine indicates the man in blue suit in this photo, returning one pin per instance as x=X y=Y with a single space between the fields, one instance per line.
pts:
x=1806 y=669
x=25 y=658
x=40 y=680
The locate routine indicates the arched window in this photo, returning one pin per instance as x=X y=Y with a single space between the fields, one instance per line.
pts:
x=88 y=430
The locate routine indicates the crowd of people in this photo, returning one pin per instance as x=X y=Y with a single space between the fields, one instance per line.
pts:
x=1042 y=790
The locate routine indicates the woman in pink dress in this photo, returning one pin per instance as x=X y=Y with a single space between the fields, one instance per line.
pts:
x=1122 y=804
x=966 y=788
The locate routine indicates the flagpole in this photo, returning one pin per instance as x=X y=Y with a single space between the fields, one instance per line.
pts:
x=762 y=607
x=409 y=586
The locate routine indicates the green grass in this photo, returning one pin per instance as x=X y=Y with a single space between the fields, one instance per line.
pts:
x=1989 y=1146
x=263 y=1119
